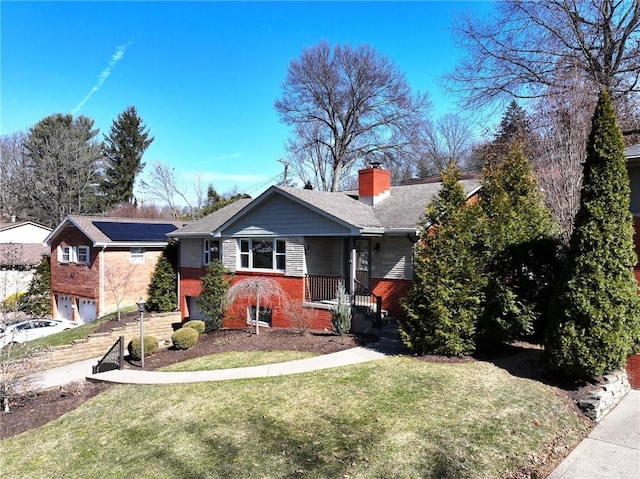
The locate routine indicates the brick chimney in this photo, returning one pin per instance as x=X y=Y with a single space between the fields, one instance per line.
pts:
x=374 y=184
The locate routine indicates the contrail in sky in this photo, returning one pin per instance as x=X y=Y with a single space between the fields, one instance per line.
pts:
x=115 y=58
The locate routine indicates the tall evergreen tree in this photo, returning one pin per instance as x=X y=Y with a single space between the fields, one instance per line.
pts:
x=124 y=147
x=514 y=125
x=37 y=300
x=520 y=248
x=595 y=313
x=63 y=163
x=163 y=289
x=445 y=300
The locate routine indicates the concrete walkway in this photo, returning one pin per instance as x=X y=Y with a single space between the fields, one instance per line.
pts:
x=611 y=450
x=325 y=361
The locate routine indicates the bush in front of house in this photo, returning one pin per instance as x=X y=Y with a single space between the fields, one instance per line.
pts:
x=195 y=324
x=162 y=296
x=185 y=338
x=215 y=286
x=341 y=311
x=150 y=347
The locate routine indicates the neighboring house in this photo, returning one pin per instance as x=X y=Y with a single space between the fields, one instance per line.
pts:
x=309 y=240
x=633 y=166
x=21 y=249
x=100 y=263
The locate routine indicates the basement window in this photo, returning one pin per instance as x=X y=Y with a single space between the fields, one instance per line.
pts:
x=264 y=316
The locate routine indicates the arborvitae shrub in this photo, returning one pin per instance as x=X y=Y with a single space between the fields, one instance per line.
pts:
x=195 y=324
x=162 y=295
x=185 y=338
x=594 y=316
x=150 y=347
x=446 y=299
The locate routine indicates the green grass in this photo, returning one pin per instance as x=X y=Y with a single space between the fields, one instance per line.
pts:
x=395 y=417
x=237 y=360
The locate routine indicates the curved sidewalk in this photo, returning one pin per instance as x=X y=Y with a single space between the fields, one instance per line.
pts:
x=325 y=361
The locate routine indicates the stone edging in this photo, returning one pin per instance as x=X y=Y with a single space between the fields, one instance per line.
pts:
x=609 y=391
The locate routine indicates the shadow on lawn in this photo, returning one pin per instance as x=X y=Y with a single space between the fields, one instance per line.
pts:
x=525 y=360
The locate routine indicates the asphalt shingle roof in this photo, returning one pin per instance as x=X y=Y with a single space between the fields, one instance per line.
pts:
x=401 y=210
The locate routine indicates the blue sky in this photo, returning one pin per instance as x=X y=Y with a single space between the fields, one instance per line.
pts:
x=203 y=75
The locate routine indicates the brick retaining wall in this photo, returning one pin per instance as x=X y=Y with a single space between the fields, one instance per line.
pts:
x=158 y=325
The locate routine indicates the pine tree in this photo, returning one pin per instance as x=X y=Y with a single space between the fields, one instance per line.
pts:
x=595 y=313
x=445 y=300
x=37 y=300
x=215 y=288
x=520 y=244
x=124 y=147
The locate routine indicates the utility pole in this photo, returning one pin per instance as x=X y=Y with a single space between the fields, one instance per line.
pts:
x=286 y=171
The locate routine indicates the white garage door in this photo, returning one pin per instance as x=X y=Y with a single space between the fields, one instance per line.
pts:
x=65 y=311
x=87 y=310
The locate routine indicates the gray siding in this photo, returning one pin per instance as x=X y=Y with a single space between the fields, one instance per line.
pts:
x=634 y=181
x=324 y=256
x=191 y=252
x=229 y=254
x=282 y=217
x=295 y=265
x=394 y=258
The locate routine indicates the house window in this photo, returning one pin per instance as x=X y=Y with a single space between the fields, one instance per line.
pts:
x=136 y=256
x=211 y=251
x=264 y=316
x=83 y=254
x=64 y=254
x=263 y=254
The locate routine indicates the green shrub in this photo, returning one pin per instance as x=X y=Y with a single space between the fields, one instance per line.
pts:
x=13 y=301
x=150 y=347
x=341 y=311
x=195 y=324
x=185 y=338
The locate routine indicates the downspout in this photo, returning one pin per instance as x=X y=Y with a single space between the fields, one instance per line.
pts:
x=352 y=266
x=101 y=285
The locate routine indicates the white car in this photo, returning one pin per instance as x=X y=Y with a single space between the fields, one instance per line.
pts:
x=23 y=331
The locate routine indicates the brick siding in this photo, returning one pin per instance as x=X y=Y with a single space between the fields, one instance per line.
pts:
x=633 y=370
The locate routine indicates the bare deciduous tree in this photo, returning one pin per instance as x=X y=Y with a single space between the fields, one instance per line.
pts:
x=528 y=46
x=118 y=281
x=447 y=140
x=560 y=150
x=258 y=289
x=163 y=186
x=12 y=169
x=346 y=105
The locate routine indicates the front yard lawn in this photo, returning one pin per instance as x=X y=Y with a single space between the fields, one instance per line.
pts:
x=397 y=417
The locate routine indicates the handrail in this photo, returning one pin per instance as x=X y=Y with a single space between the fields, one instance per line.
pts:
x=114 y=359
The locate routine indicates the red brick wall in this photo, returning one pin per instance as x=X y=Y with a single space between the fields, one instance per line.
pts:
x=74 y=279
x=633 y=371
x=392 y=291
x=236 y=316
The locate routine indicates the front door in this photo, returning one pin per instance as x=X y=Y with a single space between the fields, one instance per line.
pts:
x=363 y=261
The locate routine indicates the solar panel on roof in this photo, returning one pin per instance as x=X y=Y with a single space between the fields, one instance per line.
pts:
x=135 y=231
